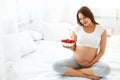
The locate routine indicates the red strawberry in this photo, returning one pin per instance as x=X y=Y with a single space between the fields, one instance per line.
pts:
x=63 y=40
x=72 y=41
x=67 y=41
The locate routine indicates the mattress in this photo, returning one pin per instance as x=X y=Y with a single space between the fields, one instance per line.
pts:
x=38 y=64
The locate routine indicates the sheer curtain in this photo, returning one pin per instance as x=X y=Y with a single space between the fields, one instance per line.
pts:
x=47 y=11
x=2 y=61
x=2 y=56
x=8 y=25
x=58 y=10
x=40 y=11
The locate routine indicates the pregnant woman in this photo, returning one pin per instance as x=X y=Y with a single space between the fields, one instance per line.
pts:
x=90 y=38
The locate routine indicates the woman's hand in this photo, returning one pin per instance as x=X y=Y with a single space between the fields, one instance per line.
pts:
x=87 y=64
x=69 y=43
x=70 y=47
x=84 y=63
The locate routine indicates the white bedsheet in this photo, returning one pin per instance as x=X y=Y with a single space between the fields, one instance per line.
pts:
x=38 y=65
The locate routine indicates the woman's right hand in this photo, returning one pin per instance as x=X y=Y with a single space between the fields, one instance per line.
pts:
x=67 y=47
x=70 y=47
x=69 y=44
x=84 y=62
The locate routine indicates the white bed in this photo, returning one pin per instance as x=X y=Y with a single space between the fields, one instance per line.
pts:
x=40 y=47
x=37 y=65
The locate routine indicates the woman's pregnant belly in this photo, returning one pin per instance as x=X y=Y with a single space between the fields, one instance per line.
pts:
x=83 y=53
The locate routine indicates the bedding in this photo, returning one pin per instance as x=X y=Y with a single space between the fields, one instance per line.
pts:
x=25 y=43
x=38 y=64
x=21 y=42
x=35 y=35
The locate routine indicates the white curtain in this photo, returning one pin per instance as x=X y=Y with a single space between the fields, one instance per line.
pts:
x=8 y=25
x=59 y=10
x=40 y=11
x=47 y=11
x=2 y=56
x=2 y=61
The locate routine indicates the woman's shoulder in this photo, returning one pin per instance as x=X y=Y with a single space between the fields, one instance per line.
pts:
x=101 y=27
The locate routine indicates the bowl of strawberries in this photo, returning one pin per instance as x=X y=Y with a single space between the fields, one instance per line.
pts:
x=68 y=42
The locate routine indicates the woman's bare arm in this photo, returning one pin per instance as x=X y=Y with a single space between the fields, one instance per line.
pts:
x=102 y=48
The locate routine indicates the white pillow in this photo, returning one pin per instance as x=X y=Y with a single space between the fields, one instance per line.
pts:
x=35 y=35
x=56 y=31
x=27 y=45
x=21 y=41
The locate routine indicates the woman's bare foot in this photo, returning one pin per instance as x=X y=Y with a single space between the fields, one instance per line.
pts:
x=93 y=77
x=96 y=78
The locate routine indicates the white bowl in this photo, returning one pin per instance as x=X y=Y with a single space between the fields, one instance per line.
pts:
x=67 y=44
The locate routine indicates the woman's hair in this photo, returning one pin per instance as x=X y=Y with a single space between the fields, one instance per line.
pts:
x=87 y=13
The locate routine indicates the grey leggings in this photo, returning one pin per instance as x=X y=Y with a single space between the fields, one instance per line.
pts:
x=99 y=68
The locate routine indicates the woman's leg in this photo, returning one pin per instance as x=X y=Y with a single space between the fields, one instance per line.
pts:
x=99 y=69
x=86 y=73
x=62 y=65
x=69 y=67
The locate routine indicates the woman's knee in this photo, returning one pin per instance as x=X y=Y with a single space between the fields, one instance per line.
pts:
x=106 y=70
x=102 y=70
x=59 y=68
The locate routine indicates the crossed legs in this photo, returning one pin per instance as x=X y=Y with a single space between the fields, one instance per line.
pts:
x=86 y=73
x=69 y=67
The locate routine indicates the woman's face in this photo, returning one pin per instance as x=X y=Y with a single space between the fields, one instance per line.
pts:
x=84 y=20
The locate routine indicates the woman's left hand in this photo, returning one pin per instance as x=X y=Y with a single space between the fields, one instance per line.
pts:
x=85 y=63
x=70 y=47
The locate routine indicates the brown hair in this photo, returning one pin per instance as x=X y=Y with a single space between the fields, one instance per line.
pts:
x=87 y=13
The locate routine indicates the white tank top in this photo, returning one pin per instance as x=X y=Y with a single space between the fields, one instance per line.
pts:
x=89 y=39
